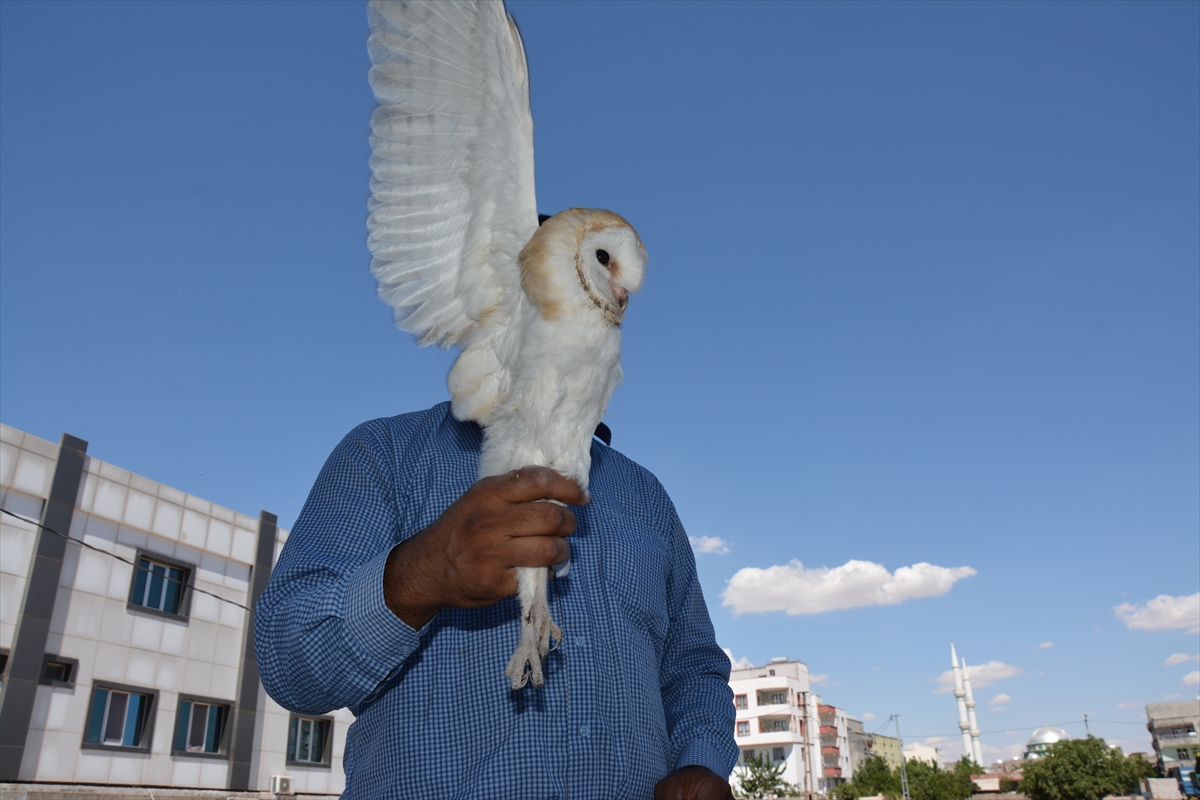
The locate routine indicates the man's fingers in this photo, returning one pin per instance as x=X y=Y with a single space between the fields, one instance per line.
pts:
x=539 y=551
x=527 y=484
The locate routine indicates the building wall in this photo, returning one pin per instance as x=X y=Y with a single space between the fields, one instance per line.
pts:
x=799 y=714
x=119 y=514
x=887 y=747
x=1175 y=731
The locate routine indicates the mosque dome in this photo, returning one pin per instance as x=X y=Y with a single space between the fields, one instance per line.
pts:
x=1041 y=740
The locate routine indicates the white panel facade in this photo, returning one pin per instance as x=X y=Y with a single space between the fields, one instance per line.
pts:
x=196 y=653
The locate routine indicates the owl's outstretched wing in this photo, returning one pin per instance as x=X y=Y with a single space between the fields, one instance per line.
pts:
x=452 y=196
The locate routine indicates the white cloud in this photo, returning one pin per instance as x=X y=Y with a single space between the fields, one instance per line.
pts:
x=981 y=675
x=741 y=663
x=709 y=544
x=1044 y=646
x=1192 y=678
x=999 y=699
x=867 y=717
x=817 y=680
x=796 y=590
x=1180 y=658
x=1134 y=704
x=1163 y=613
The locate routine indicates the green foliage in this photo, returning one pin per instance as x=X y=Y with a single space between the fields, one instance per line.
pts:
x=846 y=791
x=759 y=778
x=1008 y=785
x=1081 y=769
x=930 y=782
x=875 y=777
x=925 y=781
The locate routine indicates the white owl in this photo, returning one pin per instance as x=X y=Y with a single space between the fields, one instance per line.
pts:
x=459 y=255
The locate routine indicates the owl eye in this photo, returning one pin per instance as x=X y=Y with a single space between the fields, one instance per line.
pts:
x=602 y=257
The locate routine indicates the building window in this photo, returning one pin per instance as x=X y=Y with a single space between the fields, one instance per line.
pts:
x=739 y=700
x=309 y=742
x=777 y=754
x=160 y=585
x=202 y=727
x=747 y=755
x=778 y=698
x=58 y=671
x=743 y=728
x=120 y=717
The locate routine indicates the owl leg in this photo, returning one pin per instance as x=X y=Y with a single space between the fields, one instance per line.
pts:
x=537 y=628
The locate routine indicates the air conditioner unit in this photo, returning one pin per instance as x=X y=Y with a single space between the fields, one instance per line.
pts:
x=281 y=784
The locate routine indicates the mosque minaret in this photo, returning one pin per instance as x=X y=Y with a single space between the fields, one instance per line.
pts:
x=966 y=708
x=976 y=748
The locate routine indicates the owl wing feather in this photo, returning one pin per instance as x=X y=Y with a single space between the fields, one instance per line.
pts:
x=452 y=193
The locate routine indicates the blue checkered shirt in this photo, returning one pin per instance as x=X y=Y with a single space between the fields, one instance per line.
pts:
x=637 y=688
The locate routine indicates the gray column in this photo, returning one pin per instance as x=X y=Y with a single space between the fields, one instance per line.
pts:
x=37 y=607
x=242 y=744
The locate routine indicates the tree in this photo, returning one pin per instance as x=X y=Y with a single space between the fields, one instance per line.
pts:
x=930 y=782
x=1080 y=769
x=872 y=777
x=759 y=778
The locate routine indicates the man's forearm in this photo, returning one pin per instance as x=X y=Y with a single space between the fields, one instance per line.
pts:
x=410 y=585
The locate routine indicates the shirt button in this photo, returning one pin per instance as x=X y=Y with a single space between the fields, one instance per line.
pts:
x=584 y=730
x=580 y=641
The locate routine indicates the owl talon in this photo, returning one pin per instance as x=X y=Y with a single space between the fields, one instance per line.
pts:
x=537 y=628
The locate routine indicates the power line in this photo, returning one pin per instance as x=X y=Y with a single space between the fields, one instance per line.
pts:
x=1034 y=727
x=81 y=543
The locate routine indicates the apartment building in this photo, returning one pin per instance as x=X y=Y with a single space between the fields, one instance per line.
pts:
x=835 y=745
x=1175 y=731
x=777 y=719
x=126 y=651
x=886 y=747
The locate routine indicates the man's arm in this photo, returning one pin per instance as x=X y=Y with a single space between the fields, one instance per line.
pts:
x=346 y=604
x=695 y=684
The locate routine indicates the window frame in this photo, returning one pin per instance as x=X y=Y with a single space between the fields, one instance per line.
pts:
x=742 y=728
x=185 y=602
x=327 y=762
x=741 y=702
x=147 y=730
x=52 y=658
x=223 y=750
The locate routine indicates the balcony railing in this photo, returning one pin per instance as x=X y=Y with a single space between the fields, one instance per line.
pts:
x=833 y=772
x=830 y=750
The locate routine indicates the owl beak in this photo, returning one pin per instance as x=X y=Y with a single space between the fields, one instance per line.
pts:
x=619 y=294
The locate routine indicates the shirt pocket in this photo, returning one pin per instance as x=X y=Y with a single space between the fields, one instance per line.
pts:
x=635 y=576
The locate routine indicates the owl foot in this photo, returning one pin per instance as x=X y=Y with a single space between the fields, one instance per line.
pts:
x=537 y=628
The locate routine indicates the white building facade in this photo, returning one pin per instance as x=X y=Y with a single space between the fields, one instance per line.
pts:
x=127 y=649
x=778 y=719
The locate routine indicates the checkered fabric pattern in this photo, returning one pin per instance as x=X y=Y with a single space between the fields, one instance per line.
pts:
x=637 y=688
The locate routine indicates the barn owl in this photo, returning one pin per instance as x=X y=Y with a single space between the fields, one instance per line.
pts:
x=459 y=255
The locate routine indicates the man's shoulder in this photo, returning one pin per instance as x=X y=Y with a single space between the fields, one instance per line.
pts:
x=620 y=474
x=434 y=427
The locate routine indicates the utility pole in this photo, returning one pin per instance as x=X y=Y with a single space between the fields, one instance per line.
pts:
x=1085 y=726
x=903 y=768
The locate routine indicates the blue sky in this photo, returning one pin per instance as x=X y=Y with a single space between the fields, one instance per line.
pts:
x=924 y=287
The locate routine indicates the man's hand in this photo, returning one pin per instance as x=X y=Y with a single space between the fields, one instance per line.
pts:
x=465 y=559
x=693 y=783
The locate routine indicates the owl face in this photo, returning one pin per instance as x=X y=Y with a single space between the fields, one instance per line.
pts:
x=582 y=258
